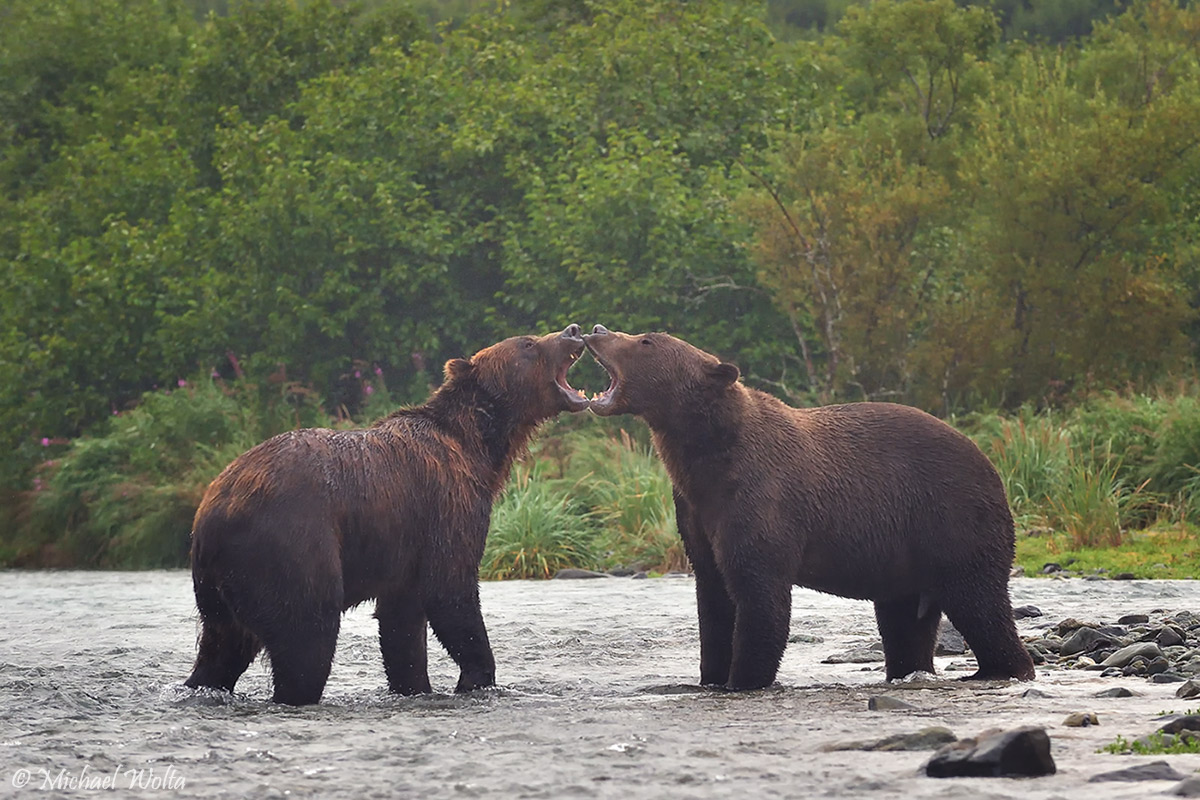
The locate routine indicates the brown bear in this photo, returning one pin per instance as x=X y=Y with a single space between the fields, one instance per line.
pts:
x=312 y=522
x=873 y=501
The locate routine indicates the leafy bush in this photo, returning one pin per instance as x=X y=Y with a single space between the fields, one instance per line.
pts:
x=125 y=496
x=535 y=531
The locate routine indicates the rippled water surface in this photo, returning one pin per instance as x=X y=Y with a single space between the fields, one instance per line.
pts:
x=595 y=701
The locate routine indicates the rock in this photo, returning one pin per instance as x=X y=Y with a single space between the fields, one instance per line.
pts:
x=1017 y=572
x=1025 y=612
x=1083 y=662
x=1022 y=751
x=1188 y=690
x=1111 y=672
x=1123 y=576
x=1083 y=640
x=949 y=641
x=804 y=638
x=924 y=739
x=1124 y=656
x=1070 y=625
x=1035 y=693
x=885 y=702
x=1051 y=568
x=641 y=575
x=622 y=572
x=1189 y=787
x=1169 y=637
x=1153 y=771
x=1117 y=691
x=1081 y=719
x=1158 y=665
x=1167 y=677
x=1134 y=619
x=857 y=655
x=570 y=573
x=1188 y=722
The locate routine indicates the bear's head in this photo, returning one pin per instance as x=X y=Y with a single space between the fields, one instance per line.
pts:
x=654 y=374
x=527 y=375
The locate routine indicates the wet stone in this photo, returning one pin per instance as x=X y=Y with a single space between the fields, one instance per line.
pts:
x=1124 y=656
x=1188 y=787
x=571 y=573
x=1123 y=576
x=1167 y=677
x=1019 y=752
x=949 y=641
x=1025 y=612
x=1153 y=771
x=1036 y=693
x=804 y=638
x=1117 y=691
x=1083 y=640
x=1168 y=637
x=1081 y=719
x=1134 y=619
x=857 y=655
x=885 y=702
x=1188 y=690
x=1188 y=722
x=924 y=739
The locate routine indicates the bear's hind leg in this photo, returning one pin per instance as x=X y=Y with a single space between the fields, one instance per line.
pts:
x=302 y=656
x=984 y=617
x=908 y=639
x=225 y=650
x=402 y=640
x=226 y=647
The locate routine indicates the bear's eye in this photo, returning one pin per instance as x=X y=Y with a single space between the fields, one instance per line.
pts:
x=528 y=343
x=647 y=342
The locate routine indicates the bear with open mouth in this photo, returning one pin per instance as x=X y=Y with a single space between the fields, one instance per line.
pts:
x=312 y=522
x=874 y=501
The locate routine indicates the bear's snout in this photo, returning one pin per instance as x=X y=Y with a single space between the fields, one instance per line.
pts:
x=572 y=331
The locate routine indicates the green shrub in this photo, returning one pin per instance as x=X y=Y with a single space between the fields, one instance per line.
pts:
x=535 y=531
x=125 y=495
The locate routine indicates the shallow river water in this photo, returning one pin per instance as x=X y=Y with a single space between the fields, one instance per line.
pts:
x=594 y=701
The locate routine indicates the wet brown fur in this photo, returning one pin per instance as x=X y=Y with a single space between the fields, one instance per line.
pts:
x=867 y=500
x=312 y=522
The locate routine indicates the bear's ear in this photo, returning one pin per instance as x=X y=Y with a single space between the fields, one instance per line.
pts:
x=457 y=368
x=723 y=373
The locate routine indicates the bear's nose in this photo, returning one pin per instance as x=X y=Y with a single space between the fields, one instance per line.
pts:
x=572 y=331
x=600 y=330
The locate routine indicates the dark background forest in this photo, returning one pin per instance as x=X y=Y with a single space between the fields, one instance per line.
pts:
x=960 y=206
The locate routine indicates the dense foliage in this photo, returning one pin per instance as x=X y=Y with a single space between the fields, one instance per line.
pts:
x=944 y=204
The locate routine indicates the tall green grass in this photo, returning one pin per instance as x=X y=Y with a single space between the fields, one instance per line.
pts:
x=591 y=493
x=535 y=531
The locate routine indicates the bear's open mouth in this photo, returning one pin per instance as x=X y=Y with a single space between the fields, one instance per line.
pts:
x=604 y=400
x=575 y=399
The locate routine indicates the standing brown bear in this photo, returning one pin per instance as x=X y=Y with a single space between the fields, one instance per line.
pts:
x=873 y=501
x=313 y=522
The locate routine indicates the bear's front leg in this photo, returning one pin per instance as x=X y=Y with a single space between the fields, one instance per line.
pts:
x=458 y=624
x=713 y=606
x=402 y=640
x=764 y=610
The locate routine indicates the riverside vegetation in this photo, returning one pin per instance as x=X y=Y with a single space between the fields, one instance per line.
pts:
x=592 y=494
x=989 y=212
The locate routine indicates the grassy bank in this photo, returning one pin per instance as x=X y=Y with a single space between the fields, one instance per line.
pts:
x=1106 y=488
